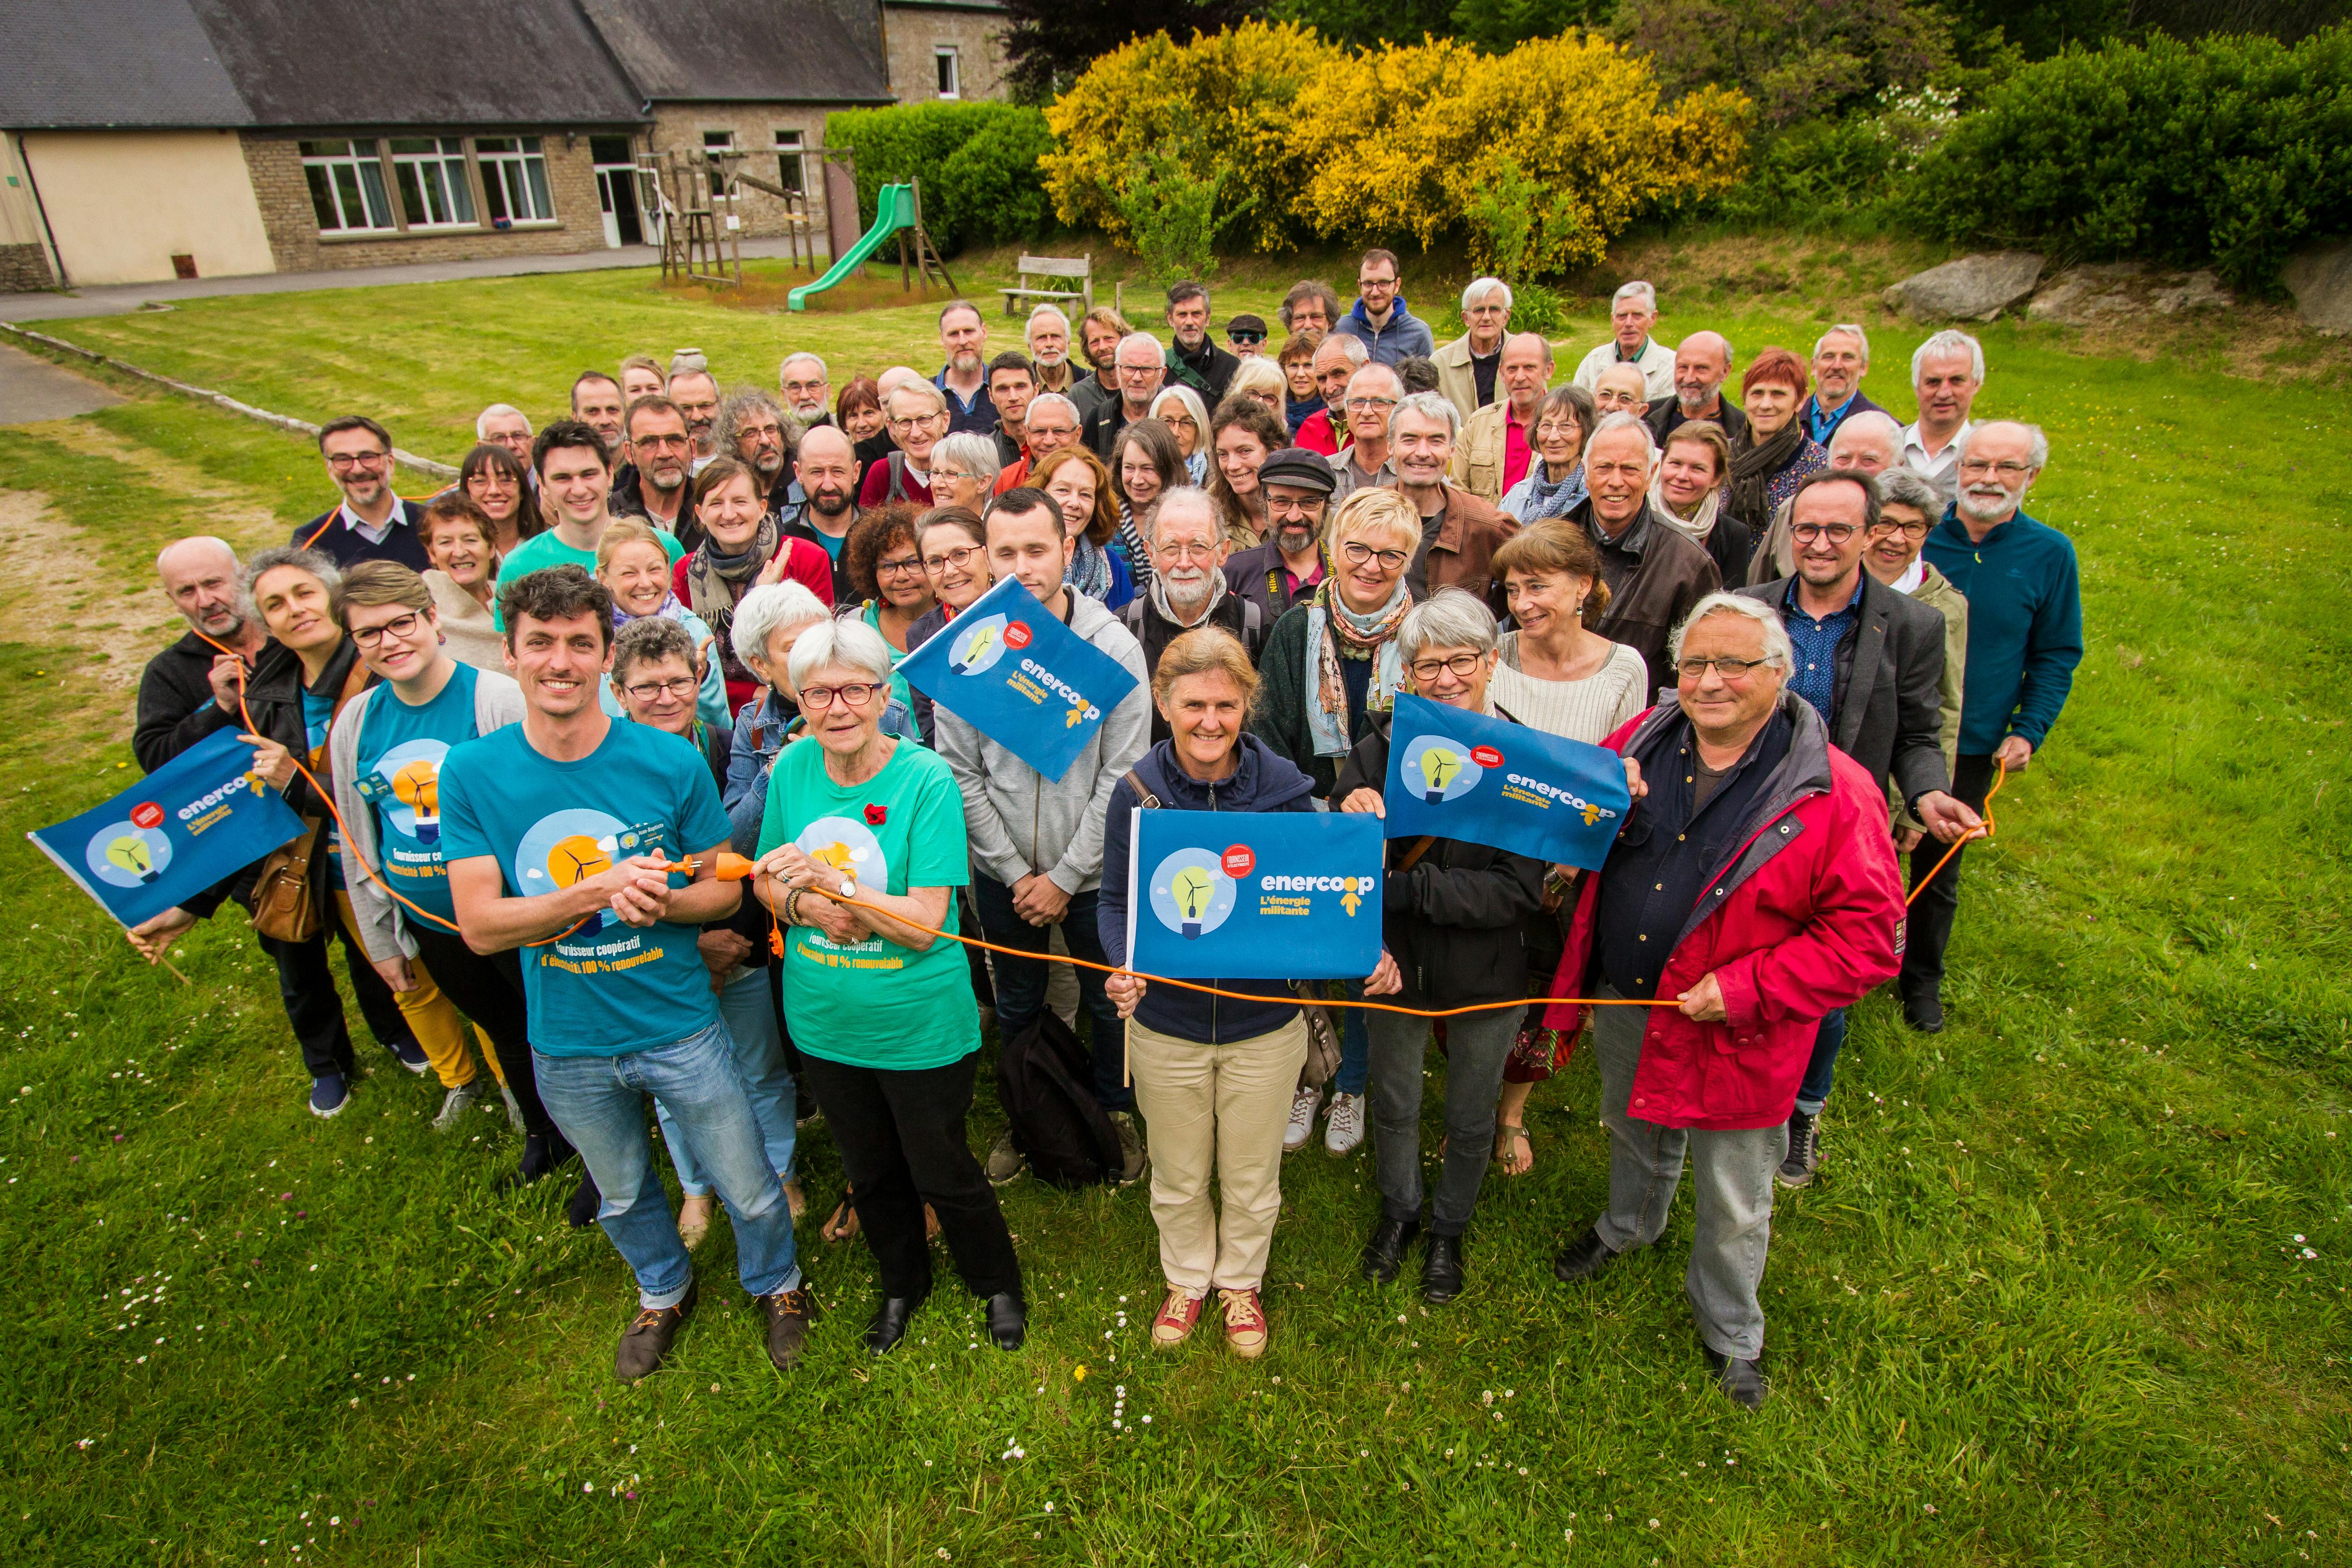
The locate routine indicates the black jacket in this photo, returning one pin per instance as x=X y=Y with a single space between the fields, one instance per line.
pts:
x=327 y=534
x=175 y=702
x=1668 y=416
x=1261 y=782
x=1457 y=922
x=1258 y=575
x=628 y=499
x=1103 y=425
x=1731 y=545
x=1889 y=711
x=1208 y=373
x=274 y=698
x=1155 y=632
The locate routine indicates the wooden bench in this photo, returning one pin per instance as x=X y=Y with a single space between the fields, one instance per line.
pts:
x=1078 y=270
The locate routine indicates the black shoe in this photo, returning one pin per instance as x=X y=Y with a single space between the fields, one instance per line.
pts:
x=1742 y=1381
x=585 y=1200
x=645 y=1343
x=1385 y=1253
x=542 y=1154
x=1008 y=1321
x=890 y=1320
x=788 y=1312
x=1441 y=1270
x=1924 y=1011
x=1582 y=1259
x=1804 y=1152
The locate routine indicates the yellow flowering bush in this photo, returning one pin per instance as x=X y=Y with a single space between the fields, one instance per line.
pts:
x=1397 y=142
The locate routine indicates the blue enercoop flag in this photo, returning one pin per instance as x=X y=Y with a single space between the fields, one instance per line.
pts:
x=1459 y=775
x=190 y=822
x=1282 y=896
x=1011 y=670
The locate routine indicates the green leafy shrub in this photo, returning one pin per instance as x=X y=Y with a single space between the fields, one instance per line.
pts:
x=1534 y=309
x=2230 y=152
x=978 y=162
x=1173 y=216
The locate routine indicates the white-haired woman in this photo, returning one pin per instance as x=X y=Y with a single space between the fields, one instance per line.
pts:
x=1187 y=418
x=964 y=468
x=1454 y=919
x=881 y=1007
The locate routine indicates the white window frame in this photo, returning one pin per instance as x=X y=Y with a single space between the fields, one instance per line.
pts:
x=719 y=141
x=792 y=145
x=440 y=177
x=509 y=164
x=363 y=162
x=947 y=60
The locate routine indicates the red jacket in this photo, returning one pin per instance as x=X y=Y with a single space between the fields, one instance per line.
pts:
x=1316 y=435
x=1807 y=917
x=804 y=564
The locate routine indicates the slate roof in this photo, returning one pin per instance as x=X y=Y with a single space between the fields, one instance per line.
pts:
x=768 y=51
x=94 y=63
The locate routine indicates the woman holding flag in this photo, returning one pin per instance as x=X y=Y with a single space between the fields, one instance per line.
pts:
x=1455 y=916
x=1212 y=1076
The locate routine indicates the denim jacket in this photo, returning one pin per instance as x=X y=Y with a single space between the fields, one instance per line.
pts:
x=761 y=728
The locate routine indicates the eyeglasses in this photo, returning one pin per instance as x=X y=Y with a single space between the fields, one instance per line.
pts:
x=918 y=419
x=1291 y=506
x=959 y=559
x=344 y=462
x=1246 y=337
x=677 y=686
x=857 y=694
x=398 y=627
x=958 y=475
x=905 y=566
x=1729 y=669
x=1356 y=553
x=678 y=443
x=1357 y=405
x=1886 y=525
x=1836 y=532
x=2006 y=469
x=1185 y=551
x=1463 y=665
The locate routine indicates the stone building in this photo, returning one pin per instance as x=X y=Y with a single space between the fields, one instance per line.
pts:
x=148 y=139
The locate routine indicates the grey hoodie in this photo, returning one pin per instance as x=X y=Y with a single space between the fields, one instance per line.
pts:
x=1020 y=821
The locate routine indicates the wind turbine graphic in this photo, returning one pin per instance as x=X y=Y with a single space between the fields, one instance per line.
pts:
x=1437 y=766
x=1191 y=888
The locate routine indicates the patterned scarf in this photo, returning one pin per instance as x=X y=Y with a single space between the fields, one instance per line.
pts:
x=1752 y=468
x=1335 y=632
x=715 y=582
x=1089 y=571
x=1551 y=497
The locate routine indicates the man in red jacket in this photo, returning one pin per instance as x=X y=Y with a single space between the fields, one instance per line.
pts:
x=1756 y=884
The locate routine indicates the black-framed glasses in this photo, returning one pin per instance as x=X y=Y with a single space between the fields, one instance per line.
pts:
x=344 y=462
x=679 y=686
x=1836 y=532
x=1292 y=506
x=1886 y=525
x=857 y=694
x=1356 y=552
x=958 y=558
x=905 y=566
x=398 y=627
x=1462 y=666
x=1729 y=669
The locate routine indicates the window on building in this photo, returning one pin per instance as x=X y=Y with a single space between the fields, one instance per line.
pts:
x=514 y=179
x=789 y=145
x=717 y=142
x=346 y=186
x=430 y=174
x=950 y=68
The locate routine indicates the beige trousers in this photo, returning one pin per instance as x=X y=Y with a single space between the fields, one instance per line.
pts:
x=1221 y=1108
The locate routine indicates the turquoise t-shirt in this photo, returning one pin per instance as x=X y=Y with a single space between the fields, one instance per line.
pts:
x=608 y=988
x=542 y=551
x=876 y=1004
x=401 y=750
x=318 y=718
x=872 y=615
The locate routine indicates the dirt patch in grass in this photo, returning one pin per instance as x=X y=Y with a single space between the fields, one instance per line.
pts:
x=213 y=507
x=101 y=634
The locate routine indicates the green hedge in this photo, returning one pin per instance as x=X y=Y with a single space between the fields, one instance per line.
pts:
x=978 y=162
x=2228 y=151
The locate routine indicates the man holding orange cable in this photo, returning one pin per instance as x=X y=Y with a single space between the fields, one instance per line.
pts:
x=1754 y=883
x=561 y=835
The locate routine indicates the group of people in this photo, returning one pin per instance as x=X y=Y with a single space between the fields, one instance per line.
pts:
x=529 y=719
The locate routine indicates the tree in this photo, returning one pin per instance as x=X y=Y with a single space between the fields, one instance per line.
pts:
x=1798 y=60
x=1050 y=42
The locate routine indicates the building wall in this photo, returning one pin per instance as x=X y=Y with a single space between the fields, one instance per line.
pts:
x=121 y=203
x=680 y=127
x=283 y=194
x=915 y=32
x=23 y=244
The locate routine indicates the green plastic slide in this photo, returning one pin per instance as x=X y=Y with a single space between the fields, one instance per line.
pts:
x=894 y=210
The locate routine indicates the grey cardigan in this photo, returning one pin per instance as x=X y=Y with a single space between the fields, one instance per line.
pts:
x=383 y=929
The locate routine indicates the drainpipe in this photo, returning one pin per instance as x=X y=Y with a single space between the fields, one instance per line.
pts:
x=57 y=256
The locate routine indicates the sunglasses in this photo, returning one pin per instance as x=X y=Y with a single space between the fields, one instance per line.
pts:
x=1246 y=337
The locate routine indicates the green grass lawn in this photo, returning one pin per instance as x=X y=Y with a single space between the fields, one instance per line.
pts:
x=2049 y=1303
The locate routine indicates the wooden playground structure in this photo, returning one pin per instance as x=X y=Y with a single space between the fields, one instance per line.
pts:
x=694 y=197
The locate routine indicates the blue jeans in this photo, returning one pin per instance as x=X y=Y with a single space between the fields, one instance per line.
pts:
x=599 y=1104
x=1021 y=982
x=760 y=1054
x=1820 y=1071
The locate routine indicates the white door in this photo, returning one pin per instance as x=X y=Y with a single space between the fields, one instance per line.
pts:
x=604 y=200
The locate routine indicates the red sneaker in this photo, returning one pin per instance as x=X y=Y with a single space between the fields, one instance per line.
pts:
x=1177 y=1317
x=1245 y=1324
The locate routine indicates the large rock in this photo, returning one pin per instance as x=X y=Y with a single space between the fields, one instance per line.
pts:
x=2087 y=296
x=1973 y=289
x=2321 y=281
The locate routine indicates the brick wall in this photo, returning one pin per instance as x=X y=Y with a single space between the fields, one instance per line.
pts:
x=681 y=126
x=284 y=194
x=24 y=268
x=915 y=32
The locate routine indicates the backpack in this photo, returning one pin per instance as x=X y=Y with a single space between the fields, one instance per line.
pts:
x=1042 y=1079
x=1252 y=635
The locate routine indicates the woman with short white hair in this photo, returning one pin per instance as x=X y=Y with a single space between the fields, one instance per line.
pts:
x=1187 y=418
x=964 y=467
x=881 y=1006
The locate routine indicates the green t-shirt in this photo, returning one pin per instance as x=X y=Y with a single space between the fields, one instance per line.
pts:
x=872 y=615
x=542 y=551
x=876 y=1004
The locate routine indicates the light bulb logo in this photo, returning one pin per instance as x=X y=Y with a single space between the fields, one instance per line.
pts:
x=1445 y=769
x=846 y=845
x=406 y=785
x=1191 y=893
x=977 y=646
x=126 y=855
x=417 y=787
